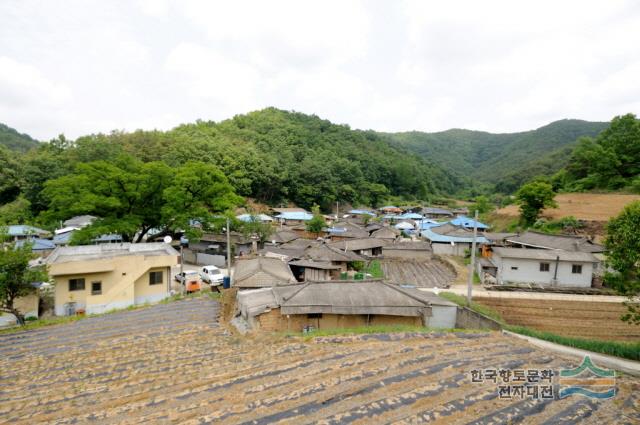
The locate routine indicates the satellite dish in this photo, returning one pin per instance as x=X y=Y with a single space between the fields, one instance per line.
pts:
x=167 y=239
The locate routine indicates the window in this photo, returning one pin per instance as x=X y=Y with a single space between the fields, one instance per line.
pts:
x=155 y=278
x=544 y=267
x=314 y=316
x=576 y=268
x=514 y=268
x=76 y=284
x=96 y=288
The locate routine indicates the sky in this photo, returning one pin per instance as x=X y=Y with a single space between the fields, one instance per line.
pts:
x=81 y=67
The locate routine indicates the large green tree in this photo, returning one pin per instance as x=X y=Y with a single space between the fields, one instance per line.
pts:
x=623 y=255
x=16 y=277
x=533 y=198
x=131 y=197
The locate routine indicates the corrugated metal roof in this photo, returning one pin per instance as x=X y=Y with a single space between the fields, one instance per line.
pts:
x=448 y=233
x=247 y=218
x=468 y=223
x=545 y=254
x=295 y=215
x=565 y=242
x=25 y=230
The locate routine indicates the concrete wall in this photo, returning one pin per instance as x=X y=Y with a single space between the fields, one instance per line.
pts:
x=273 y=321
x=442 y=317
x=469 y=319
x=447 y=249
x=28 y=305
x=528 y=271
x=118 y=275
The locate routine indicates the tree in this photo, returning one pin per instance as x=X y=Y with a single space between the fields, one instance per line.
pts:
x=256 y=227
x=16 y=277
x=623 y=255
x=482 y=205
x=317 y=223
x=132 y=197
x=533 y=198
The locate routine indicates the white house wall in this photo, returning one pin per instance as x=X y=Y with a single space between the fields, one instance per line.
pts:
x=529 y=272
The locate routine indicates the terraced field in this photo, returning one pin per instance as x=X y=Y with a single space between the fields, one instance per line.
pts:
x=172 y=363
x=423 y=274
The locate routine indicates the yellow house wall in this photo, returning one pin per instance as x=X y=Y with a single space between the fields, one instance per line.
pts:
x=118 y=276
x=28 y=305
x=144 y=292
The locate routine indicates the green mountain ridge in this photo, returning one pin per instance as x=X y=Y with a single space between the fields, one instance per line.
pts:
x=501 y=160
x=13 y=140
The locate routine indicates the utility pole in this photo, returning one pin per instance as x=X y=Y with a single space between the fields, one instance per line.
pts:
x=337 y=210
x=228 y=252
x=473 y=259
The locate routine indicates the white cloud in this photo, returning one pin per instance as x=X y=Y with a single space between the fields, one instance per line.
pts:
x=86 y=66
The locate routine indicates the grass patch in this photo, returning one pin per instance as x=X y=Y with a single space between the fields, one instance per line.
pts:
x=39 y=323
x=380 y=329
x=627 y=350
x=375 y=270
x=478 y=308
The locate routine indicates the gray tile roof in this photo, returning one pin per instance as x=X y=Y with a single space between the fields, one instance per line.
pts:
x=262 y=272
x=322 y=265
x=328 y=253
x=359 y=244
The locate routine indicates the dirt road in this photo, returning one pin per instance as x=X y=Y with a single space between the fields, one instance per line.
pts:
x=172 y=363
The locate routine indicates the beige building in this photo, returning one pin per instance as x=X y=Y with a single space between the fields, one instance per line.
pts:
x=99 y=278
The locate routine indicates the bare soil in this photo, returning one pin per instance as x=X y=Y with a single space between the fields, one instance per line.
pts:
x=173 y=363
x=593 y=320
x=583 y=206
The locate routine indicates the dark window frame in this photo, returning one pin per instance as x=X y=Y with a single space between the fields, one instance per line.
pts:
x=545 y=267
x=514 y=267
x=74 y=284
x=314 y=316
x=96 y=291
x=576 y=268
x=153 y=277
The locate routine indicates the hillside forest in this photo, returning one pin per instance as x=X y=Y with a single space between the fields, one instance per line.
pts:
x=279 y=157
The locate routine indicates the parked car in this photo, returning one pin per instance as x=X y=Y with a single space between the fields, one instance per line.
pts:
x=211 y=275
x=190 y=279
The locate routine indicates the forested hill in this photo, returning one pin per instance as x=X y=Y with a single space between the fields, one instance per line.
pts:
x=13 y=140
x=271 y=155
x=501 y=160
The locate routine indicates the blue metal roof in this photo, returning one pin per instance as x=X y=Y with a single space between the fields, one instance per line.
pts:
x=361 y=212
x=427 y=224
x=24 y=230
x=411 y=216
x=62 y=238
x=247 y=218
x=295 y=215
x=38 y=244
x=436 y=237
x=467 y=222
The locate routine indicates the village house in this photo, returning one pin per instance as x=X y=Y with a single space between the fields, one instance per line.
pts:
x=448 y=239
x=532 y=239
x=390 y=209
x=282 y=236
x=99 y=278
x=434 y=212
x=468 y=223
x=384 y=232
x=294 y=218
x=261 y=272
x=346 y=230
x=367 y=247
x=309 y=270
x=546 y=267
x=344 y=304
x=335 y=256
x=79 y=221
x=261 y=218
x=17 y=232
